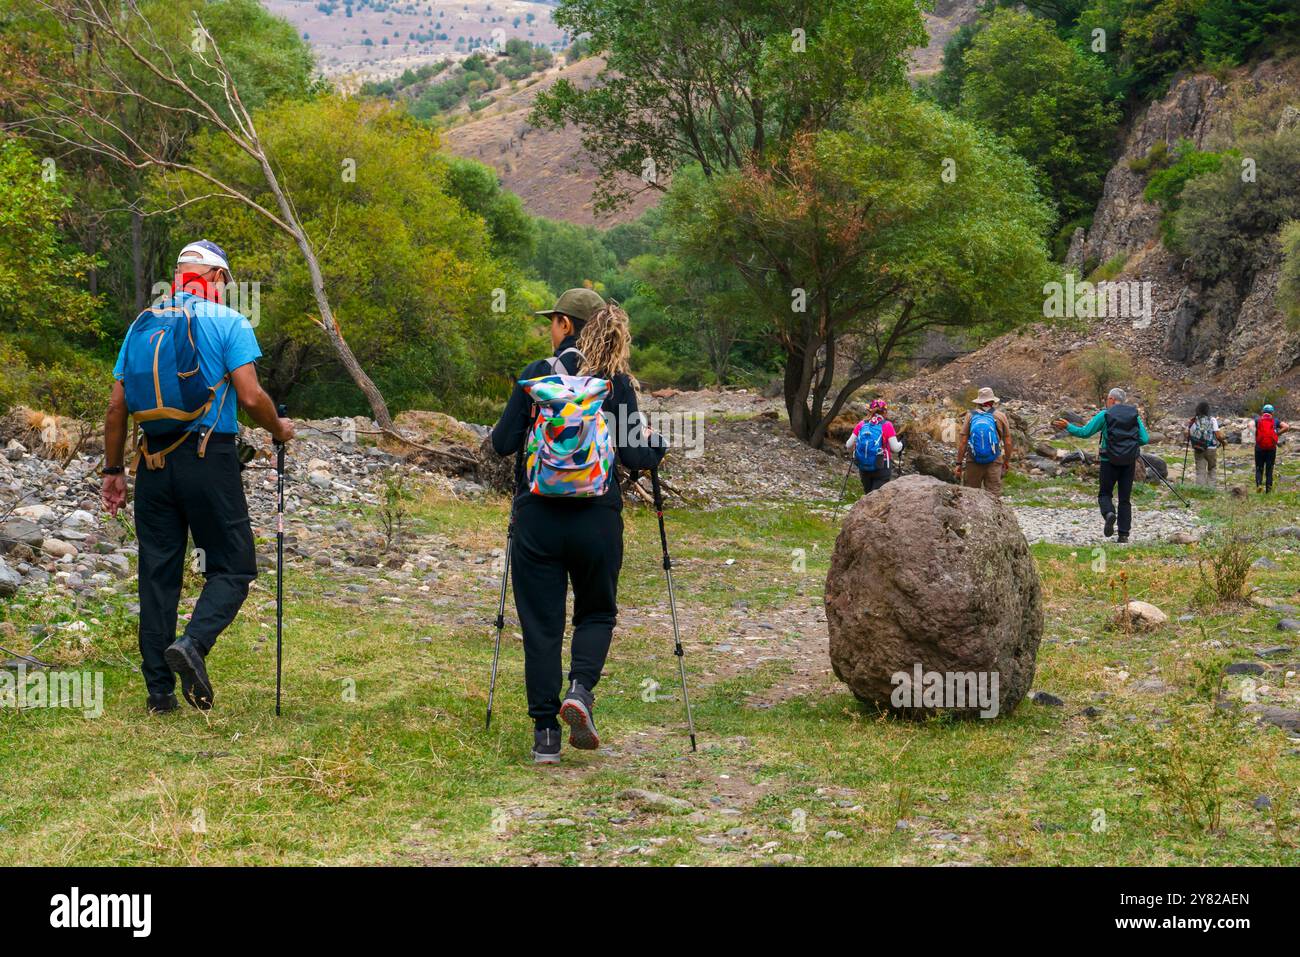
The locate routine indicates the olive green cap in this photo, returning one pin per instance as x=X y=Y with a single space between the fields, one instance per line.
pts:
x=581 y=304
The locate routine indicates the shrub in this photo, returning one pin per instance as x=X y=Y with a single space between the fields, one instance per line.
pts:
x=1099 y=368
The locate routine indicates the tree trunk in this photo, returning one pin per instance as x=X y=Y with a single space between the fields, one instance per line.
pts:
x=137 y=261
x=367 y=386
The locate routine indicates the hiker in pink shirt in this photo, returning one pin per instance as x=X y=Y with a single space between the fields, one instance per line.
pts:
x=874 y=443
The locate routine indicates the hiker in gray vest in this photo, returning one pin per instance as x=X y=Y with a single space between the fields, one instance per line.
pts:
x=1205 y=437
x=1122 y=436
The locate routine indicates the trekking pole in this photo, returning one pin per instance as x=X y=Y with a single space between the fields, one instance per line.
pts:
x=1150 y=468
x=501 y=619
x=279 y=560
x=844 y=486
x=1187 y=444
x=672 y=602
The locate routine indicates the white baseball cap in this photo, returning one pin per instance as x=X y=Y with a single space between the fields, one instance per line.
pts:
x=205 y=253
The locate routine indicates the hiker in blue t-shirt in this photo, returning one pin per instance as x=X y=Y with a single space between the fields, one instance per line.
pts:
x=190 y=481
x=1123 y=434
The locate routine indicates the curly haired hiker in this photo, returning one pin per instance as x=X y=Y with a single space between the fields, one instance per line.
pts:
x=1204 y=436
x=190 y=484
x=986 y=441
x=1122 y=436
x=1267 y=431
x=874 y=443
x=572 y=416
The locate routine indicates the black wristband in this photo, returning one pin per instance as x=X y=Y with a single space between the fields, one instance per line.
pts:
x=112 y=470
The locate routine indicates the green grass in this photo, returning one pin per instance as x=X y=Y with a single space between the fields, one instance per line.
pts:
x=381 y=755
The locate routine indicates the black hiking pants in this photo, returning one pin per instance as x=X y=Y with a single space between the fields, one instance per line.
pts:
x=872 y=480
x=556 y=543
x=1113 y=475
x=188 y=497
x=1264 y=461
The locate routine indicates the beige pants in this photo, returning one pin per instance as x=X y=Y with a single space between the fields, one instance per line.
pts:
x=1206 y=462
x=987 y=477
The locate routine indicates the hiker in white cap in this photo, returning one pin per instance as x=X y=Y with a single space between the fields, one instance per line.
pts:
x=179 y=364
x=984 y=448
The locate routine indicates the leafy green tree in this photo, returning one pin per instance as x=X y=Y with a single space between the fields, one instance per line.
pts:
x=860 y=239
x=1165 y=187
x=409 y=269
x=1230 y=218
x=477 y=188
x=42 y=281
x=1288 y=287
x=569 y=255
x=719 y=84
x=1230 y=31
x=1050 y=101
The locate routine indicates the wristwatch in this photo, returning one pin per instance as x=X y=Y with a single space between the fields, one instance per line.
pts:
x=112 y=470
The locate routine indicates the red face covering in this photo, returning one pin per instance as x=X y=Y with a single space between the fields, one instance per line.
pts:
x=199 y=285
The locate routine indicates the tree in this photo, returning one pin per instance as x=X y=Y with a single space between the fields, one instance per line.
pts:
x=719 y=84
x=434 y=314
x=856 y=242
x=569 y=255
x=1231 y=30
x=476 y=186
x=78 y=112
x=1049 y=100
x=41 y=280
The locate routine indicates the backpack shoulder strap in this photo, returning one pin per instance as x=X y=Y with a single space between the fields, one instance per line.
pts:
x=557 y=367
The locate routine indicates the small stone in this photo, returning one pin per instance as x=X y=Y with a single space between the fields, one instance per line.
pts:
x=834 y=835
x=1275 y=651
x=58 y=549
x=1245 y=668
x=1289 y=624
x=1140 y=614
x=1262 y=803
x=1091 y=712
x=654 y=801
x=1043 y=698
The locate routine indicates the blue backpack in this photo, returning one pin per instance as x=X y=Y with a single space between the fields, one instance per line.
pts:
x=985 y=447
x=869 y=448
x=162 y=375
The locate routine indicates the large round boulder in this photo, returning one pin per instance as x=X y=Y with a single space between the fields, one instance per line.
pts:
x=933 y=601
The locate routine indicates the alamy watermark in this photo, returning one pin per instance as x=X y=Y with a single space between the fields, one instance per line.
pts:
x=935 y=690
x=76 y=690
x=1100 y=300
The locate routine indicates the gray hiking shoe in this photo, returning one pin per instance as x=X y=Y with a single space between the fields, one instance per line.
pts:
x=546 y=746
x=576 y=712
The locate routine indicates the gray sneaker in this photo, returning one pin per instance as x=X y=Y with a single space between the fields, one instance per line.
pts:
x=576 y=712
x=546 y=746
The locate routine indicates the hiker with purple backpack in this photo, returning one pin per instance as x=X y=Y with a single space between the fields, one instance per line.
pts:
x=874 y=442
x=569 y=420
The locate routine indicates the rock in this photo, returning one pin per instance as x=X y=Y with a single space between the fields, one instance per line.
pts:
x=936 y=577
x=1140 y=614
x=1151 y=468
x=1184 y=538
x=1043 y=698
x=36 y=513
x=321 y=480
x=20 y=531
x=1262 y=803
x=1282 y=718
x=58 y=548
x=1289 y=624
x=1091 y=712
x=653 y=801
x=1245 y=668
x=1276 y=651
x=79 y=518
x=10 y=580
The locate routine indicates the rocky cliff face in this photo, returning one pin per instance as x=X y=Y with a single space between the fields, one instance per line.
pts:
x=1222 y=328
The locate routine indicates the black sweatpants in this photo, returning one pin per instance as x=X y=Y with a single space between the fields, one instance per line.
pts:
x=203 y=498
x=1264 y=461
x=873 y=479
x=557 y=542
x=1111 y=476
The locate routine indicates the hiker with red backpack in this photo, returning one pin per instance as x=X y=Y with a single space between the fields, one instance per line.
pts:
x=986 y=442
x=175 y=372
x=1123 y=433
x=1267 y=431
x=874 y=443
x=569 y=420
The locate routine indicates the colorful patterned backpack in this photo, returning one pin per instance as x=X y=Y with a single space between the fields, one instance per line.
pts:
x=570 y=452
